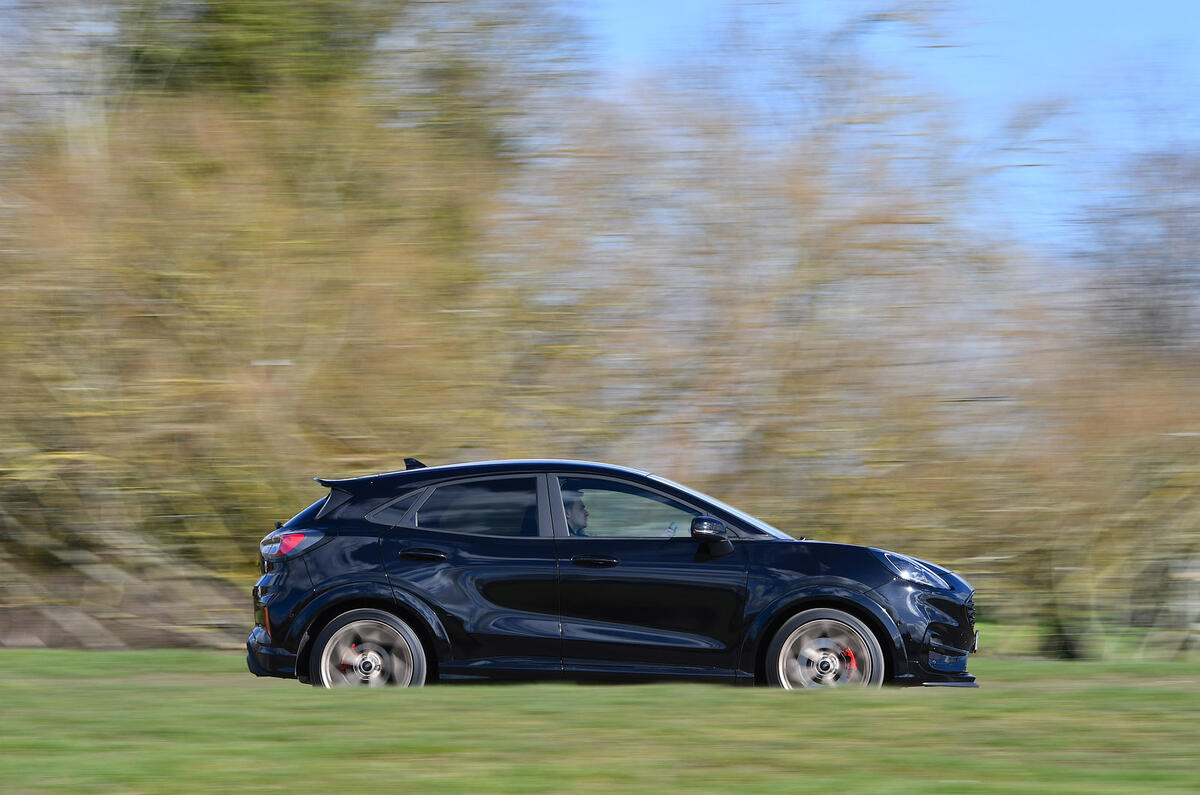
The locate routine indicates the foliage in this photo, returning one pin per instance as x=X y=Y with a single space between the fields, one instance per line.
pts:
x=200 y=298
x=250 y=45
x=1145 y=251
x=422 y=236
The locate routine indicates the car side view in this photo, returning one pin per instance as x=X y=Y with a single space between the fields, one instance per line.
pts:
x=550 y=569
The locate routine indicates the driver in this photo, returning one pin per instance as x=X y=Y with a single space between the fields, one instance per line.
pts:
x=577 y=513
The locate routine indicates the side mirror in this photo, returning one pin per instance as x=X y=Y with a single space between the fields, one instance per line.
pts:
x=708 y=528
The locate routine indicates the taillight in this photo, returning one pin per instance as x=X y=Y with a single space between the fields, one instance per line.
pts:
x=285 y=543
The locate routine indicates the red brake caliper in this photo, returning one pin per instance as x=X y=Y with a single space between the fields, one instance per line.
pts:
x=853 y=664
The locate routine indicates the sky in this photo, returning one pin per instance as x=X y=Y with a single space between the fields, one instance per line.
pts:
x=1121 y=77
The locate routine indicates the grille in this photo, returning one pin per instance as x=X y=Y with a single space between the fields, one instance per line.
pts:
x=971 y=614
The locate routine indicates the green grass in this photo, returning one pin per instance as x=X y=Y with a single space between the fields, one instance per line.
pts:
x=195 y=721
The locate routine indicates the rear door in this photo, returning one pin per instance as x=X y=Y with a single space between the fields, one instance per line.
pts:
x=481 y=553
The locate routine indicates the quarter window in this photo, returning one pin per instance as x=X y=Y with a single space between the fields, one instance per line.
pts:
x=391 y=514
x=498 y=507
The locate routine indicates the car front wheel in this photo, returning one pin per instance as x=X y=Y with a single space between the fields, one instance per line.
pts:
x=824 y=648
x=368 y=648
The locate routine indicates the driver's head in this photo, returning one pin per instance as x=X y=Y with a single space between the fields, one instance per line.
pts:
x=577 y=514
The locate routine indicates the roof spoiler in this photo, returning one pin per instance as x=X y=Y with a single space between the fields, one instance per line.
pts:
x=348 y=484
x=336 y=499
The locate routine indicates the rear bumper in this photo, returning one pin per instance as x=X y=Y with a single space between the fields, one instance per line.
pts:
x=264 y=660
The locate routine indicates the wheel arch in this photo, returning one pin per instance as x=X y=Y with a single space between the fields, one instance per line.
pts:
x=859 y=605
x=405 y=606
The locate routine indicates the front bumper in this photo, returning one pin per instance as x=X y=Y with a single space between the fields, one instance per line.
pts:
x=920 y=676
x=264 y=660
x=941 y=665
x=938 y=632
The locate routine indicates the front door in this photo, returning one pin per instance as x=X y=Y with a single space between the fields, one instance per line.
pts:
x=637 y=593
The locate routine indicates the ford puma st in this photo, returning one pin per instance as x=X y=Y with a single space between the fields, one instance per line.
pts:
x=584 y=571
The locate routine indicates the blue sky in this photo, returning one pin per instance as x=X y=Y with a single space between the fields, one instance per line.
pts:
x=1003 y=50
x=1124 y=76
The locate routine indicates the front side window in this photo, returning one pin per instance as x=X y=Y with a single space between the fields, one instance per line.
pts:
x=498 y=507
x=597 y=508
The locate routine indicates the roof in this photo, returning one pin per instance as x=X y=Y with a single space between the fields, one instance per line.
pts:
x=476 y=467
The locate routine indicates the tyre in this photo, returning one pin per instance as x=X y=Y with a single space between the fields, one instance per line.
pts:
x=824 y=648
x=368 y=648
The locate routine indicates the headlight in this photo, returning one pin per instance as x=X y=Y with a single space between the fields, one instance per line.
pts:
x=911 y=570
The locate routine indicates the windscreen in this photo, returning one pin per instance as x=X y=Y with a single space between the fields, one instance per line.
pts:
x=742 y=516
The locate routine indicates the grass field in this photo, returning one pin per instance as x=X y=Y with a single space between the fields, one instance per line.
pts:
x=196 y=721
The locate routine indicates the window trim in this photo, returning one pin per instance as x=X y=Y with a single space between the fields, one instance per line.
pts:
x=559 y=512
x=369 y=515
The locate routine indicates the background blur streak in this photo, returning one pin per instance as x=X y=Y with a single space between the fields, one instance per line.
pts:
x=246 y=242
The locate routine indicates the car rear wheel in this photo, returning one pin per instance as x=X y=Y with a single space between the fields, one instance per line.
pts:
x=367 y=648
x=824 y=648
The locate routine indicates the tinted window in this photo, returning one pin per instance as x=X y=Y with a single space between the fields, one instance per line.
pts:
x=391 y=514
x=503 y=507
x=610 y=509
x=308 y=514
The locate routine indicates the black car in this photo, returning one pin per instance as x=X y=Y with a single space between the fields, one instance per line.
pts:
x=578 y=571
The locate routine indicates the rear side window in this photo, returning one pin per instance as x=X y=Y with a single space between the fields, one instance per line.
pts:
x=308 y=515
x=499 y=507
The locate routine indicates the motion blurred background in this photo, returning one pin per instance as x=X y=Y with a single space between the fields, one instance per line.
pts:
x=917 y=275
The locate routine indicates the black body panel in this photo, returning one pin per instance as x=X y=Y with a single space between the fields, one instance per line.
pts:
x=496 y=597
x=664 y=606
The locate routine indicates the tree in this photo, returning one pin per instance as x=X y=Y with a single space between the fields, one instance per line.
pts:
x=1146 y=254
x=250 y=45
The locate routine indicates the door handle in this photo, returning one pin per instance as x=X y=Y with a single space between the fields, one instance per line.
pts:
x=595 y=561
x=422 y=553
